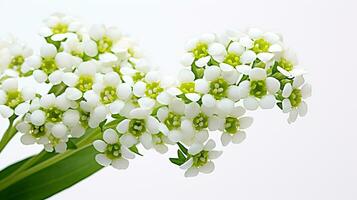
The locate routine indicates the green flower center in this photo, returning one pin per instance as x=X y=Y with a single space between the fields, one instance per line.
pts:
x=285 y=64
x=84 y=83
x=258 y=63
x=38 y=131
x=200 y=51
x=153 y=90
x=60 y=28
x=53 y=140
x=200 y=159
x=200 y=121
x=295 y=98
x=104 y=45
x=84 y=117
x=108 y=95
x=232 y=59
x=258 y=88
x=261 y=45
x=49 y=65
x=137 y=127
x=113 y=151
x=138 y=76
x=218 y=88
x=231 y=125
x=17 y=61
x=14 y=98
x=54 y=114
x=173 y=121
x=187 y=87
x=158 y=138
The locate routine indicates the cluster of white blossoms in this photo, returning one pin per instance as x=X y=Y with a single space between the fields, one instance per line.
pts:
x=98 y=76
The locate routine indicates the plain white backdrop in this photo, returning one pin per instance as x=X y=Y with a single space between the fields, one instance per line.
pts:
x=314 y=158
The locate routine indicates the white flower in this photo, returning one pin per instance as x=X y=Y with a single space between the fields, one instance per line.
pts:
x=139 y=128
x=14 y=57
x=58 y=26
x=153 y=88
x=294 y=95
x=259 y=90
x=217 y=88
x=112 y=152
x=81 y=80
x=233 y=126
x=198 y=50
x=106 y=39
x=200 y=159
x=14 y=100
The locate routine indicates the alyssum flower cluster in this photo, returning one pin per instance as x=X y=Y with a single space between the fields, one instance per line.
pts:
x=96 y=75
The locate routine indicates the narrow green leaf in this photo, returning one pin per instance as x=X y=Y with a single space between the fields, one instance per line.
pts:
x=51 y=176
x=180 y=154
x=176 y=161
x=135 y=150
x=182 y=148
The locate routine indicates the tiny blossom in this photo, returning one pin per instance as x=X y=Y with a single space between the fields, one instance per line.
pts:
x=259 y=90
x=58 y=25
x=14 y=100
x=200 y=159
x=294 y=95
x=139 y=128
x=112 y=152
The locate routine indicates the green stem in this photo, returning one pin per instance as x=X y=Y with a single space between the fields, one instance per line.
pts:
x=9 y=133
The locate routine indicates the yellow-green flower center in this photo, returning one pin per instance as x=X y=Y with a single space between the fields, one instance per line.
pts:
x=231 y=125
x=200 y=51
x=200 y=121
x=200 y=159
x=138 y=76
x=258 y=88
x=16 y=61
x=137 y=127
x=173 y=121
x=108 y=95
x=232 y=59
x=260 y=46
x=104 y=45
x=285 y=64
x=153 y=90
x=187 y=87
x=218 y=88
x=113 y=151
x=295 y=98
x=84 y=83
x=48 y=65
x=38 y=131
x=60 y=28
x=158 y=138
x=14 y=98
x=54 y=114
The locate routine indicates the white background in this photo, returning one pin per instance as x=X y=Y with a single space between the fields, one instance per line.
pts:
x=315 y=158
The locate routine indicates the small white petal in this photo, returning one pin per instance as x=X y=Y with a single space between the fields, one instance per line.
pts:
x=100 y=146
x=267 y=102
x=238 y=137
x=191 y=172
x=123 y=126
x=110 y=136
x=146 y=140
x=120 y=163
x=207 y=168
x=193 y=96
x=27 y=139
x=208 y=100
x=273 y=85
x=38 y=118
x=201 y=86
x=195 y=149
x=59 y=130
x=128 y=140
x=226 y=139
x=212 y=73
x=209 y=145
x=73 y=94
x=214 y=154
x=22 y=108
x=203 y=61
x=187 y=59
x=245 y=122
x=248 y=57
x=265 y=57
x=298 y=81
x=286 y=105
x=306 y=91
x=251 y=103
x=187 y=164
x=287 y=90
x=302 y=109
x=102 y=160
x=257 y=74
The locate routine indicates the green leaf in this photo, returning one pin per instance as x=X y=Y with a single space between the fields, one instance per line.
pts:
x=50 y=176
x=180 y=154
x=135 y=150
x=177 y=161
x=182 y=148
